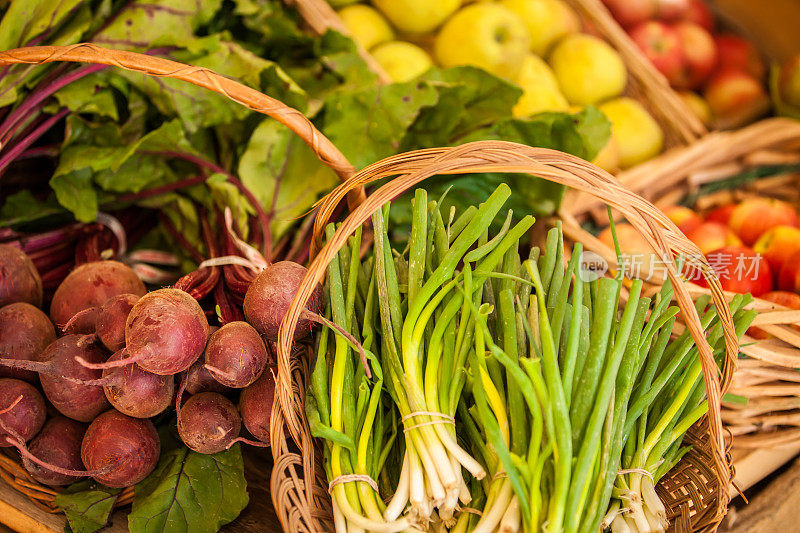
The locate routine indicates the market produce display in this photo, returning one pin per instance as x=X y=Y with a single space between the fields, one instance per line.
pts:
x=753 y=246
x=497 y=389
x=112 y=418
x=460 y=368
x=536 y=44
x=722 y=76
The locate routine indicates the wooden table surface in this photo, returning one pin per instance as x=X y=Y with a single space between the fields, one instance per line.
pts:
x=772 y=510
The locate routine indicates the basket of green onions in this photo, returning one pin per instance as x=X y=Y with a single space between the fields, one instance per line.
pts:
x=468 y=381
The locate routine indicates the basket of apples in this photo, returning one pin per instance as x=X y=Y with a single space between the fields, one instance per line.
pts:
x=720 y=75
x=562 y=54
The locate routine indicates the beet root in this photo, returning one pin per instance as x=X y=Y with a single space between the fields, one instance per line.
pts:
x=166 y=331
x=255 y=405
x=135 y=392
x=208 y=422
x=236 y=355
x=78 y=401
x=25 y=331
x=199 y=379
x=269 y=296
x=19 y=279
x=119 y=450
x=91 y=285
x=82 y=323
x=59 y=444
x=22 y=411
x=111 y=319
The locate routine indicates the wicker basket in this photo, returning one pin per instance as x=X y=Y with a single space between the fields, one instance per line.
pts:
x=10 y=469
x=768 y=378
x=680 y=125
x=695 y=491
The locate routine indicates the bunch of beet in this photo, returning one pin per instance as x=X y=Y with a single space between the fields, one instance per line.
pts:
x=78 y=388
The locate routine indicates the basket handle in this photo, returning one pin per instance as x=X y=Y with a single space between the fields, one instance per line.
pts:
x=200 y=76
x=500 y=156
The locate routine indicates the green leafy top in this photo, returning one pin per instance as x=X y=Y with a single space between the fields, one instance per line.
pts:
x=190 y=491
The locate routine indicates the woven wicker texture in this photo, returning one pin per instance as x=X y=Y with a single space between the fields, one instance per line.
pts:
x=496 y=156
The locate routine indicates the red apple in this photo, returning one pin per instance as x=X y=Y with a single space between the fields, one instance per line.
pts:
x=736 y=97
x=710 y=236
x=699 y=52
x=671 y=10
x=789 y=276
x=741 y=270
x=631 y=12
x=700 y=14
x=754 y=216
x=736 y=53
x=661 y=45
x=784 y=298
x=721 y=214
x=683 y=217
x=777 y=245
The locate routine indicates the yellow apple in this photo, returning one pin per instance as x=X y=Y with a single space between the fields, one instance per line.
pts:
x=608 y=157
x=547 y=21
x=402 y=61
x=417 y=16
x=698 y=105
x=484 y=35
x=540 y=90
x=588 y=69
x=637 y=134
x=367 y=26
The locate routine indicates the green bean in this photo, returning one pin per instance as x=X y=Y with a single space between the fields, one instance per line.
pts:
x=547 y=262
x=591 y=438
x=460 y=223
x=552 y=375
x=583 y=393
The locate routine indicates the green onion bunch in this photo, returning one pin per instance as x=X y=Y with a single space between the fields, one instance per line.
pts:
x=466 y=384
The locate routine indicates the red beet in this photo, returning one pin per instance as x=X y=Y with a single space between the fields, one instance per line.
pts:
x=82 y=323
x=118 y=450
x=236 y=355
x=135 y=392
x=269 y=296
x=25 y=331
x=22 y=411
x=111 y=319
x=91 y=285
x=58 y=443
x=19 y=279
x=199 y=379
x=255 y=405
x=166 y=331
x=78 y=401
x=208 y=422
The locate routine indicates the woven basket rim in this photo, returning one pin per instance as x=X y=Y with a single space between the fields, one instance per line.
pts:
x=43 y=496
x=501 y=156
